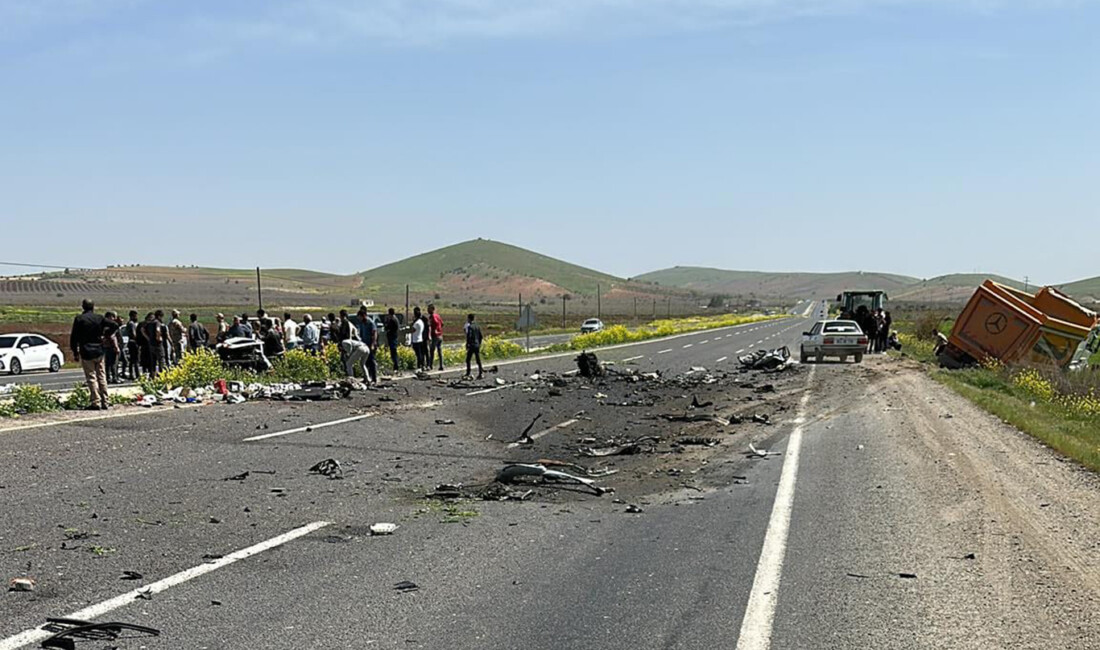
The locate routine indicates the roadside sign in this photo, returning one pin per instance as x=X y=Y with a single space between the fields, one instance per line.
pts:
x=527 y=319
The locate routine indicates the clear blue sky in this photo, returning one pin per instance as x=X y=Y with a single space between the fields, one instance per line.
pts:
x=913 y=136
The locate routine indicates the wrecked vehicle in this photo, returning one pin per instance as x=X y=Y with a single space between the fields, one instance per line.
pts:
x=1010 y=325
x=243 y=352
x=766 y=359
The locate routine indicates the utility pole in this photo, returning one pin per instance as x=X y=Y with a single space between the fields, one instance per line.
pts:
x=563 y=311
x=670 y=307
x=1026 y=282
x=635 y=309
x=521 y=305
x=654 y=309
x=599 y=310
x=259 y=289
x=406 y=304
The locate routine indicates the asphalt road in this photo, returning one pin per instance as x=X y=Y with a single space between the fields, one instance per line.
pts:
x=866 y=483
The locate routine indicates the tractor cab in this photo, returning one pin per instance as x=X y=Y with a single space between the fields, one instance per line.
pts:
x=849 y=302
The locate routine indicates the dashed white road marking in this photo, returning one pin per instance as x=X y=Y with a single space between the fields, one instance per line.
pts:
x=310 y=427
x=663 y=351
x=704 y=341
x=535 y=436
x=740 y=351
x=756 y=627
x=93 y=612
x=640 y=356
x=688 y=345
x=721 y=360
x=494 y=389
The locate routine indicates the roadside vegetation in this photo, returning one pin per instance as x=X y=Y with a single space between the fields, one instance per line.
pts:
x=1061 y=409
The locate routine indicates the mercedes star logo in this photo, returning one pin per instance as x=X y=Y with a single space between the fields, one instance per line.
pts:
x=996 y=323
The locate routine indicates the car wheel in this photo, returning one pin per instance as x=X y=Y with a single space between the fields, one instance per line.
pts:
x=16 y=367
x=859 y=358
x=820 y=358
x=55 y=364
x=802 y=356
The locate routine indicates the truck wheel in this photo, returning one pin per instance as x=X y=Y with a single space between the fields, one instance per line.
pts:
x=859 y=358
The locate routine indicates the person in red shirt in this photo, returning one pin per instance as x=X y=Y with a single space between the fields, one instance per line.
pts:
x=435 y=346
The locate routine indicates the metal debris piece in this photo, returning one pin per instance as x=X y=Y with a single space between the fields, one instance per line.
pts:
x=633 y=509
x=588 y=365
x=237 y=477
x=908 y=576
x=131 y=575
x=696 y=440
x=695 y=417
x=636 y=446
x=444 y=421
x=66 y=631
x=525 y=437
x=589 y=472
x=405 y=586
x=445 y=491
x=513 y=471
x=776 y=359
x=761 y=453
x=382 y=529
x=761 y=418
x=22 y=584
x=696 y=404
x=329 y=467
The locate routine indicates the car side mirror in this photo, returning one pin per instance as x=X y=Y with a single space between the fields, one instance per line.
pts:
x=838 y=297
x=805 y=334
x=24 y=346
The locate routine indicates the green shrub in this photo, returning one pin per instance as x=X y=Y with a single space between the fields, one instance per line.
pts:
x=30 y=398
x=80 y=398
x=199 y=368
x=300 y=366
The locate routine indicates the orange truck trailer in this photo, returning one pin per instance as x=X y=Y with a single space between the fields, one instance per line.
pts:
x=1014 y=326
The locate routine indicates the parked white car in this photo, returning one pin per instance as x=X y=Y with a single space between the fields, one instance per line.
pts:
x=591 y=325
x=833 y=338
x=19 y=352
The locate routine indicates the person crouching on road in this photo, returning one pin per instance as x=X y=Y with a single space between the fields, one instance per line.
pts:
x=356 y=352
x=473 y=345
x=368 y=333
x=86 y=343
x=435 y=344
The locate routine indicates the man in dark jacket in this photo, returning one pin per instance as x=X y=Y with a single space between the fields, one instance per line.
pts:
x=473 y=345
x=133 y=347
x=86 y=343
x=393 y=332
x=197 y=336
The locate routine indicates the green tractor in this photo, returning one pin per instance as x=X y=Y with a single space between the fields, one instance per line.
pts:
x=849 y=302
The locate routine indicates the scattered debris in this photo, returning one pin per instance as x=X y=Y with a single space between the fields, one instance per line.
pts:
x=696 y=404
x=144 y=594
x=445 y=491
x=635 y=446
x=67 y=631
x=761 y=418
x=589 y=472
x=445 y=422
x=773 y=360
x=22 y=584
x=382 y=529
x=695 y=417
x=761 y=453
x=589 y=366
x=525 y=437
x=405 y=586
x=696 y=440
x=131 y=575
x=633 y=509
x=513 y=471
x=237 y=477
x=329 y=467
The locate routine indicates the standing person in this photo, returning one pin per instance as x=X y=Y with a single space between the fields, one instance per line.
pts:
x=133 y=346
x=111 y=349
x=473 y=345
x=435 y=345
x=155 y=333
x=418 y=339
x=310 y=335
x=327 y=324
x=176 y=332
x=223 y=328
x=86 y=343
x=884 y=331
x=145 y=345
x=236 y=330
x=197 y=336
x=290 y=331
x=339 y=332
x=368 y=334
x=165 y=341
x=393 y=332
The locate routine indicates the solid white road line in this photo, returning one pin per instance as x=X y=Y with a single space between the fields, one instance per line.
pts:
x=310 y=427
x=494 y=389
x=640 y=356
x=721 y=360
x=756 y=627
x=36 y=635
x=94 y=418
x=536 y=436
x=664 y=351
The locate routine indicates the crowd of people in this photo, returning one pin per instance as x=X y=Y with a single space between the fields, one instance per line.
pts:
x=112 y=350
x=876 y=325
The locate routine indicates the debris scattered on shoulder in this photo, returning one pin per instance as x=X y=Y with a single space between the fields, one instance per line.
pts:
x=633 y=509
x=761 y=453
x=589 y=366
x=329 y=467
x=382 y=528
x=635 y=446
x=67 y=631
x=22 y=584
x=405 y=586
x=697 y=440
x=510 y=473
x=525 y=437
x=772 y=360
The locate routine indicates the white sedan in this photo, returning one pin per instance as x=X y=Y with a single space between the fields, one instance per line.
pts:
x=834 y=338
x=19 y=352
x=591 y=325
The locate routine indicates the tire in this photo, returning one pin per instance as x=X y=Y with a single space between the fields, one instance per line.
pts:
x=802 y=356
x=844 y=358
x=16 y=367
x=55 y=364
x=820 y=358
x=859 y=358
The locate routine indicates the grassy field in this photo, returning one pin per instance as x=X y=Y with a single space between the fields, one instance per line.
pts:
x=1060 y=409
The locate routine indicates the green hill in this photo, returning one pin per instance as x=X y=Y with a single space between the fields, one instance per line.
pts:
x=954 y=287
x=763 y=283
x=1087 y=290
x=485 y=267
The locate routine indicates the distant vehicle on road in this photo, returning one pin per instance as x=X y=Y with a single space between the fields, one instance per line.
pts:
x=591 y=325
x=833 y=338
x=21 y=351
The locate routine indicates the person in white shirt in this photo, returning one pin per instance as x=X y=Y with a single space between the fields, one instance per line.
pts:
x=418 y=339
x=290 y=332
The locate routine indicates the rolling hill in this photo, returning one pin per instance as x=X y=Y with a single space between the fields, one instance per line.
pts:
x=761 y=283
x=485 y=269
x=1086 y=291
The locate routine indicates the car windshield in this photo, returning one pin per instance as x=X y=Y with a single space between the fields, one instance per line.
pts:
x=842 y=328
x=7 y=341
x=590 y=321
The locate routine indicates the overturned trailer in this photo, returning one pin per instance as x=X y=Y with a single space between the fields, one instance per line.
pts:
x=1013 y=326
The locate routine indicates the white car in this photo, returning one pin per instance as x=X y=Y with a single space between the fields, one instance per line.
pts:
x=19 y=352
x=833 y=338
x=591 y=325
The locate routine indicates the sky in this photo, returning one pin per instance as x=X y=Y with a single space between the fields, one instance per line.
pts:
x=912 y=136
